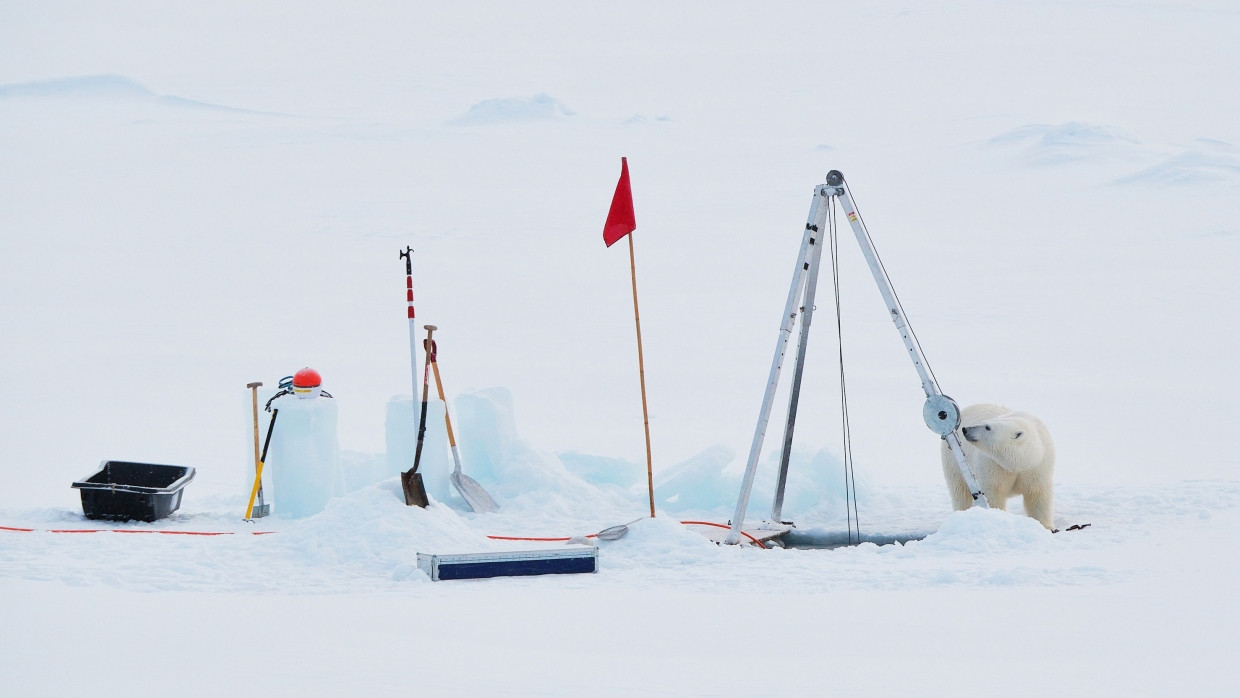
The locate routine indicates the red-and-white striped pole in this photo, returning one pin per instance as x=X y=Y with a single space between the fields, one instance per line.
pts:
x=407 y=255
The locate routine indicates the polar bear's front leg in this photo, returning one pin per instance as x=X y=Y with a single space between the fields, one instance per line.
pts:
x=996 y=502
x=1040 y=506
x=957 y=489
x=962 y=498
x=995 y=482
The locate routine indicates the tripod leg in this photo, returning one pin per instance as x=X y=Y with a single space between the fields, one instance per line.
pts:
x=798 y=370
x=813 y=226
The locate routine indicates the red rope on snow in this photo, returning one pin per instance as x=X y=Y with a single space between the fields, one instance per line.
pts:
x=719 y=525
x=556 y=539
x=559 y=539
x=132 y=530
x=544 y=540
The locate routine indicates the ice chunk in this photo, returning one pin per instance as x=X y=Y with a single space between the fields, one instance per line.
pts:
x=711 y=481
x=494 y=455
x=540 y=107
x=363 y=469
x=401 y=427
x=697 y=483
x=304 y=456
x=488 y=431
x=604 y=470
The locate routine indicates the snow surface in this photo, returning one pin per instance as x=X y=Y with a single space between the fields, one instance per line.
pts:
x=196 y=197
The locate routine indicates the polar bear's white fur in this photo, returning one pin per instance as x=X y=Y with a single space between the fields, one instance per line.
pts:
x=1010 y=453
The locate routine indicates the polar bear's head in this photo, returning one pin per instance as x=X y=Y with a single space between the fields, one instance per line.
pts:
x=1013 y=440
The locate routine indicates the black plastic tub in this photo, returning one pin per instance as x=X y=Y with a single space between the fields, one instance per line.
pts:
x=124 y=491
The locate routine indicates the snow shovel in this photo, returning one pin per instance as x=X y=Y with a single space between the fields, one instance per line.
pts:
x=258 y=470
x=610 y=533
x=615 y=532
x=476 y=497
x=411 y=479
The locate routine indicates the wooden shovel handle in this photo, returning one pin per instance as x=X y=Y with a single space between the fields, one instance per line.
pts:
x=439 y=386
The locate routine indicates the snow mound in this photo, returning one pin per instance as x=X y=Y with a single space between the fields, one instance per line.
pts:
x=540 y=107
x=1054 y=144
x=659 y=542
x=1206 y=161
x=558 y=488
x=372 y=530
x=978 y=530
x=104 y=88
x=638 y=119
x=91 y=86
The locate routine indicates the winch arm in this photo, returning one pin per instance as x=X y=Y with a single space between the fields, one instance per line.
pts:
x=940 y=412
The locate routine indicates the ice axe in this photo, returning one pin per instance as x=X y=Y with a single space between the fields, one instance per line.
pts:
x=258 y=471
x=407 y=255
x=411 y=479
x=476 y=497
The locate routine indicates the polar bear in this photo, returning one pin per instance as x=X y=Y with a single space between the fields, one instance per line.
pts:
x=1010 y=453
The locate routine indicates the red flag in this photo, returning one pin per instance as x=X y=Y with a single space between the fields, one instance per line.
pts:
x=620 y=219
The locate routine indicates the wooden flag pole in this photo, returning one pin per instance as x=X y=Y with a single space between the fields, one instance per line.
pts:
x=641 y=371
x=621 y=223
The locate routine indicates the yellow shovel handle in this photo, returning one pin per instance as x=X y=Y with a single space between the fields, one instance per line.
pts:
x=258 y=480
x=258 y=470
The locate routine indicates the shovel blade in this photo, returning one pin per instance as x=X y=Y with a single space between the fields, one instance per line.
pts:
x=473 y=494
x=613 y=532
x=415 y=491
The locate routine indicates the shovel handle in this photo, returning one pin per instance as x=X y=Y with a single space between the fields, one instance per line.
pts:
x=426 y=379
x=428 y=344
x=258 y=471
x=254 y=402
x=439 y=386
x=270 y=428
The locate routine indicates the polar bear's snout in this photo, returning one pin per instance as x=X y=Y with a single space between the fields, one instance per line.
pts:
x=973 y=434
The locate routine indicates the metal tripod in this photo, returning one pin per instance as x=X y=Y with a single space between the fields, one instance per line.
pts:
x=940 y=412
